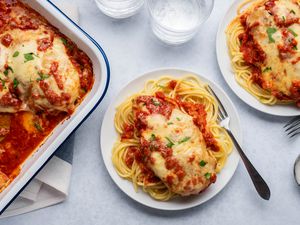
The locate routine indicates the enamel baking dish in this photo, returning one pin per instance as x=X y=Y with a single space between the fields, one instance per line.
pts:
x=102 y=74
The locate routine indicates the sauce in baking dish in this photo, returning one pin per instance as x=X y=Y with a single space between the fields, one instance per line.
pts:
x=43 y=78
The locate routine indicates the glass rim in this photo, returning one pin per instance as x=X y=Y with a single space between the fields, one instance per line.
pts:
x=210 y=9
x=121 y=0
x=105 y=9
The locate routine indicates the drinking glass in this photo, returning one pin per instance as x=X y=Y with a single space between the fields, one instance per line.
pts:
x=119 y=9
x=177 y=21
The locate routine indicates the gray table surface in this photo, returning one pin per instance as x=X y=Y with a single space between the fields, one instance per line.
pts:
x=133 y=50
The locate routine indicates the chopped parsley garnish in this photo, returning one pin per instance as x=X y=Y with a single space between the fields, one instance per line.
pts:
x=295 y=47
x=171 y=143
x=267 y=69
x=283 y=18
x=207 y=176
x=15 y=83
x=6 y=71
x=38 y=126
x=3 y=83
x=153 y=137
x=16 y=54
x=202 y=163
x=177 y=118
x=170 y=123
x=184 y=140
x=154 y=102
x=64 y=41
x=292 y=11
x=292 y=32
x=11 y=69
x=42 y=76
x=270 y=32
x=28 y=57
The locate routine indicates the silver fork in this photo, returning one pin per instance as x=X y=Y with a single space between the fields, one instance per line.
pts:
x=292 y=128
x=259 y=183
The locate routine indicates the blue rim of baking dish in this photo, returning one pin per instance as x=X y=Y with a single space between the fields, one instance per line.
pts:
x=92 y=110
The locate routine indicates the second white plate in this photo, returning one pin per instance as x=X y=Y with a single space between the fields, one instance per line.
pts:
x=228 y=74
x=109 y=137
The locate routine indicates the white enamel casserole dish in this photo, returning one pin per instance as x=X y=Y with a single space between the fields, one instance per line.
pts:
x=39 y=158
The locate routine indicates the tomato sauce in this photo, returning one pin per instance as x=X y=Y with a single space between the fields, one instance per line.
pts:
x=157 y=105
x=57 y=77
x=6 y=40
x=251 y=50
x=31 y=20
x=44 y=43
x=295 y=91
x=9 y=100
x=52 y=97
x=287 y=50
x=257 y=76
x=269 y=5
x=286 y=22
x=171 y=163
x=172 y=84
x=197 y=111
x=19 y=143
x=134 y=153
x=254 y=55
x=128 y=132
x=295 y=61
x=160 y=104
x=20 y=137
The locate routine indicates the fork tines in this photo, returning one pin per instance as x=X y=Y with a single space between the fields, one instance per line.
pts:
x=292 y=128
x=222 y=112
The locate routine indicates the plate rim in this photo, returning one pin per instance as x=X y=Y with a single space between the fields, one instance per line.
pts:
x=113 y=105
x=237 y=89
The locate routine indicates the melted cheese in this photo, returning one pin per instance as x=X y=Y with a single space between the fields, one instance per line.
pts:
x=27 y=72
x=28 y=122
x=283 y=72
x=3 y=180
x=188 y=150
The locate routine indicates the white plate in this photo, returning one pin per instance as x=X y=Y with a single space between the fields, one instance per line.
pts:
x=228 y=74
x=109 y=137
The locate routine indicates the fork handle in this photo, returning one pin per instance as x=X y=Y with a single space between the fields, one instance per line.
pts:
x=259 y=183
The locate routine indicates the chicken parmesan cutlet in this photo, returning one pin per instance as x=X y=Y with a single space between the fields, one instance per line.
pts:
x=172 y=145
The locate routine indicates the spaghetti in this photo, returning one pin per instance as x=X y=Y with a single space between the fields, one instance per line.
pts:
x=187 y=90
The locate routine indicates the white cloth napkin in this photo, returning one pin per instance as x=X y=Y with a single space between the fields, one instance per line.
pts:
x=51 y=185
